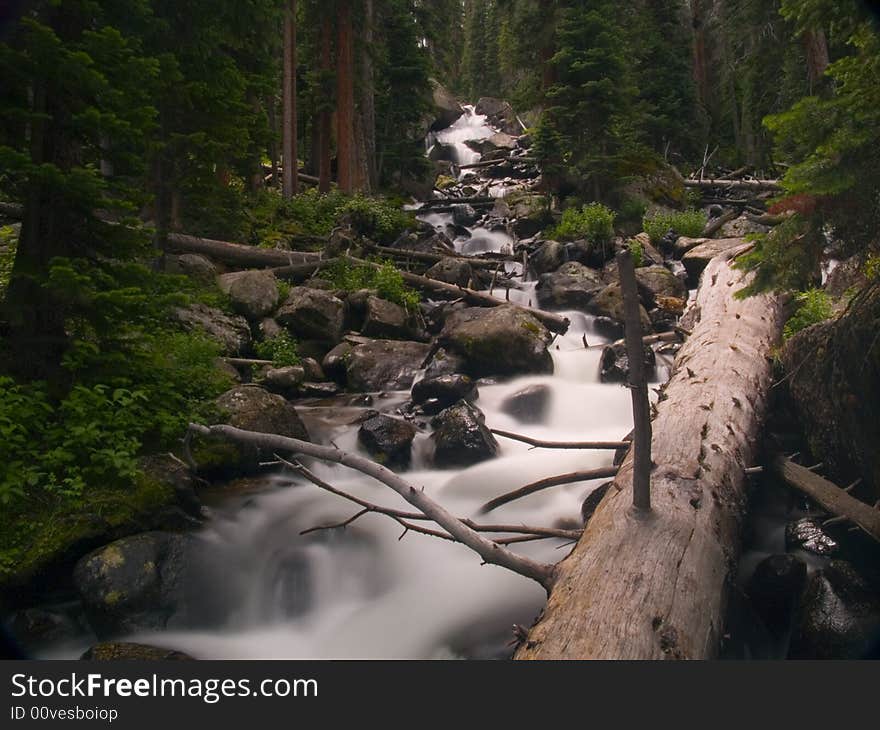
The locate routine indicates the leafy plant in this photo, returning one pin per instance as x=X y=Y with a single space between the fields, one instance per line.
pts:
x=384 y=278
x=686 y=223
x=281 y=350
x=594 y=222
x=814 y=306
x=638 y=252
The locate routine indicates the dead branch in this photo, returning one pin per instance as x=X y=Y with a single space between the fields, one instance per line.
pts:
x=716 y=224
x=547 y=482
x=586 y=445
x=829 y=496
x=490 y=551
x=734 y=184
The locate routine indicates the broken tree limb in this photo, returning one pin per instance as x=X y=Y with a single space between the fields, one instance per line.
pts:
x=547 y=483
x=488 y=550
x=654 y=587
x=297 y=273
x=735 y=184
x=829 y=496
x=716 y=224
x=433 y=258
x=553 y=322
x=583 y=445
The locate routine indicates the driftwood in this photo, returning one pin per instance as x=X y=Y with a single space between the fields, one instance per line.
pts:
x=488 y=550
x=554 y=322
x=548 y=482
x=653 y=586
x=829 y=496
x=579 y=445
x=735 y=184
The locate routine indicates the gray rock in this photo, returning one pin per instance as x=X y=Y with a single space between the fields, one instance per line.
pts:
x=270 y=329
x=444 y=363
x=464 y=215
x=388 y=439
x=501 y=340
x=609 y=303
x=444 y=390
x=313 y=314
x=461 y=438
x=571 y=286
x=446 y=108
x=385 y=320
x=112 y=651
x=335 y=363
x=529 y=405
x=313 y=369
x=230 y=331
x=195 y=266
x=548 y=257
x=254 y=294
x=657 y=281
x=614 y=364
x=500 y=114
x=285 y=381
x=452 y=271
x=383 y=365
x=527 y=227
x=134 y=584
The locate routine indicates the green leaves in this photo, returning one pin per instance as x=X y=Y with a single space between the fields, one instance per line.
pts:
x=594 y=222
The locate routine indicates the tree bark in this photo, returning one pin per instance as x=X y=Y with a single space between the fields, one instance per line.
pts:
x=653 y=586
x=345 y=99
x=816 y=48
x=237 y=253
x=290 y=182
x=324 y=117
x=770 y=185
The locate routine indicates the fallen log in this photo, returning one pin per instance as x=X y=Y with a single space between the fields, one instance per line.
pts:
x=716 y=224
x=735 y=184
x=490 y=163
x=237 y=253
x=433 y=258
x=298 y=273
x=553 y=322
x=654 y=586
x=829 y=496
x=474 y=200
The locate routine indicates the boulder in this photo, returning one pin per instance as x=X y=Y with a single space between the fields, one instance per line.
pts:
x=313 y=314
x=572 y=285
x=446 y=108
x=839 y=616
x=548 y=257
x=452 y=271
x=285 y=381
x=253 y=294
x=230 y=331
x=698 y=258
x=609 y=303
x=775 y=589
x=382 y=365
x=34 y=628
x=461 y=438
x=502 y=340
x=194 y=265
x=680 y=245
x=134 y=584
x=529 y=405
x=464 y=215
x=443 y=391
x=590 y=253
x=442 y=152
x=335 y=362
x=500 y=114
x=385 y=320
x=524 y=228
x=658 y=281
x=113 y=651
x=388 y=439
x=444 y=362
x=269 y=328
x=614 y=364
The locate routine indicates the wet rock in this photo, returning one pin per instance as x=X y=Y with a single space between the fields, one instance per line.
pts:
x=501 y=340
x=383 y=365
x=311 y=389
x=571 y=286
x=167 y=472
x=112 y=651
x=444 y=363
x=312 y=314
x=609 y=303
x=680 y=245
x=658 y=281
x=427 y=242
x=253 y=294
x=134 y=584
x=269 y=328
x=388 y=439
x=775 y=589
x=230 y=331
x=650 y=255
x=529 y=405
x=335 y=362
x=464 y=215
x=39 y=627
x=461 y=438
x=614 y=364
x=444 y=390
x=446 y=108
x=839 y=616
x=524 y=228
x=847 y=275
x=548 y=257
x=698 y=258
x=312 y=369
x=285 y=381
x=441 y=152
x=452 y=271
x=590 y=253
x=807 y=534
x=500 y=114
x=386 y=320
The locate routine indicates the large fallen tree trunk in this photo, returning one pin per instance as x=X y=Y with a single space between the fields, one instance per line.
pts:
x=237 y=253
x=653 y=586
x=734 y=184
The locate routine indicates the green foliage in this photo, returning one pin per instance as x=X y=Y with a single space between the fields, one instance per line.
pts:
x=872 y=267
x=594 y=222
x=785 y=259
x=638 y=252
x=685 y=223
x=8 y=246
x=281 y=350
x=633 y=209
x=385 y=278
x=813 y=306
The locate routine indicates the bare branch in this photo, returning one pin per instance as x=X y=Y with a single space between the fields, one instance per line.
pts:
x=546 y=483
x=585 y=445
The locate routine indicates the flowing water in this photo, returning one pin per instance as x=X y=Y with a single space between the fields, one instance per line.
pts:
x=260 y=589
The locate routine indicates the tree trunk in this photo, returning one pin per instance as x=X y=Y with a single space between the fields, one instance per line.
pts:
x=290 y=184
x=699 y=12
x=653 y=586
x=273 y=139
x=324 y=118
x=237 y=253
x=816 y=48
x=345 y=99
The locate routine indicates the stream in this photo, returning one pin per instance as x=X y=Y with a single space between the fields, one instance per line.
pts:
x=261 y=590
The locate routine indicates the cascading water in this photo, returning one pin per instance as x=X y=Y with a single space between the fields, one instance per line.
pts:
x=261 y=589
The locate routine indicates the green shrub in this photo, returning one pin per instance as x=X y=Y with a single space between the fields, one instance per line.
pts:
x=814 y=306
x=633 y=209
x=594 y=222
x=638 y=253
x=8 y=246
x=384 y=278
x=281 y=350
x=686 y=223
x=872 y=267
